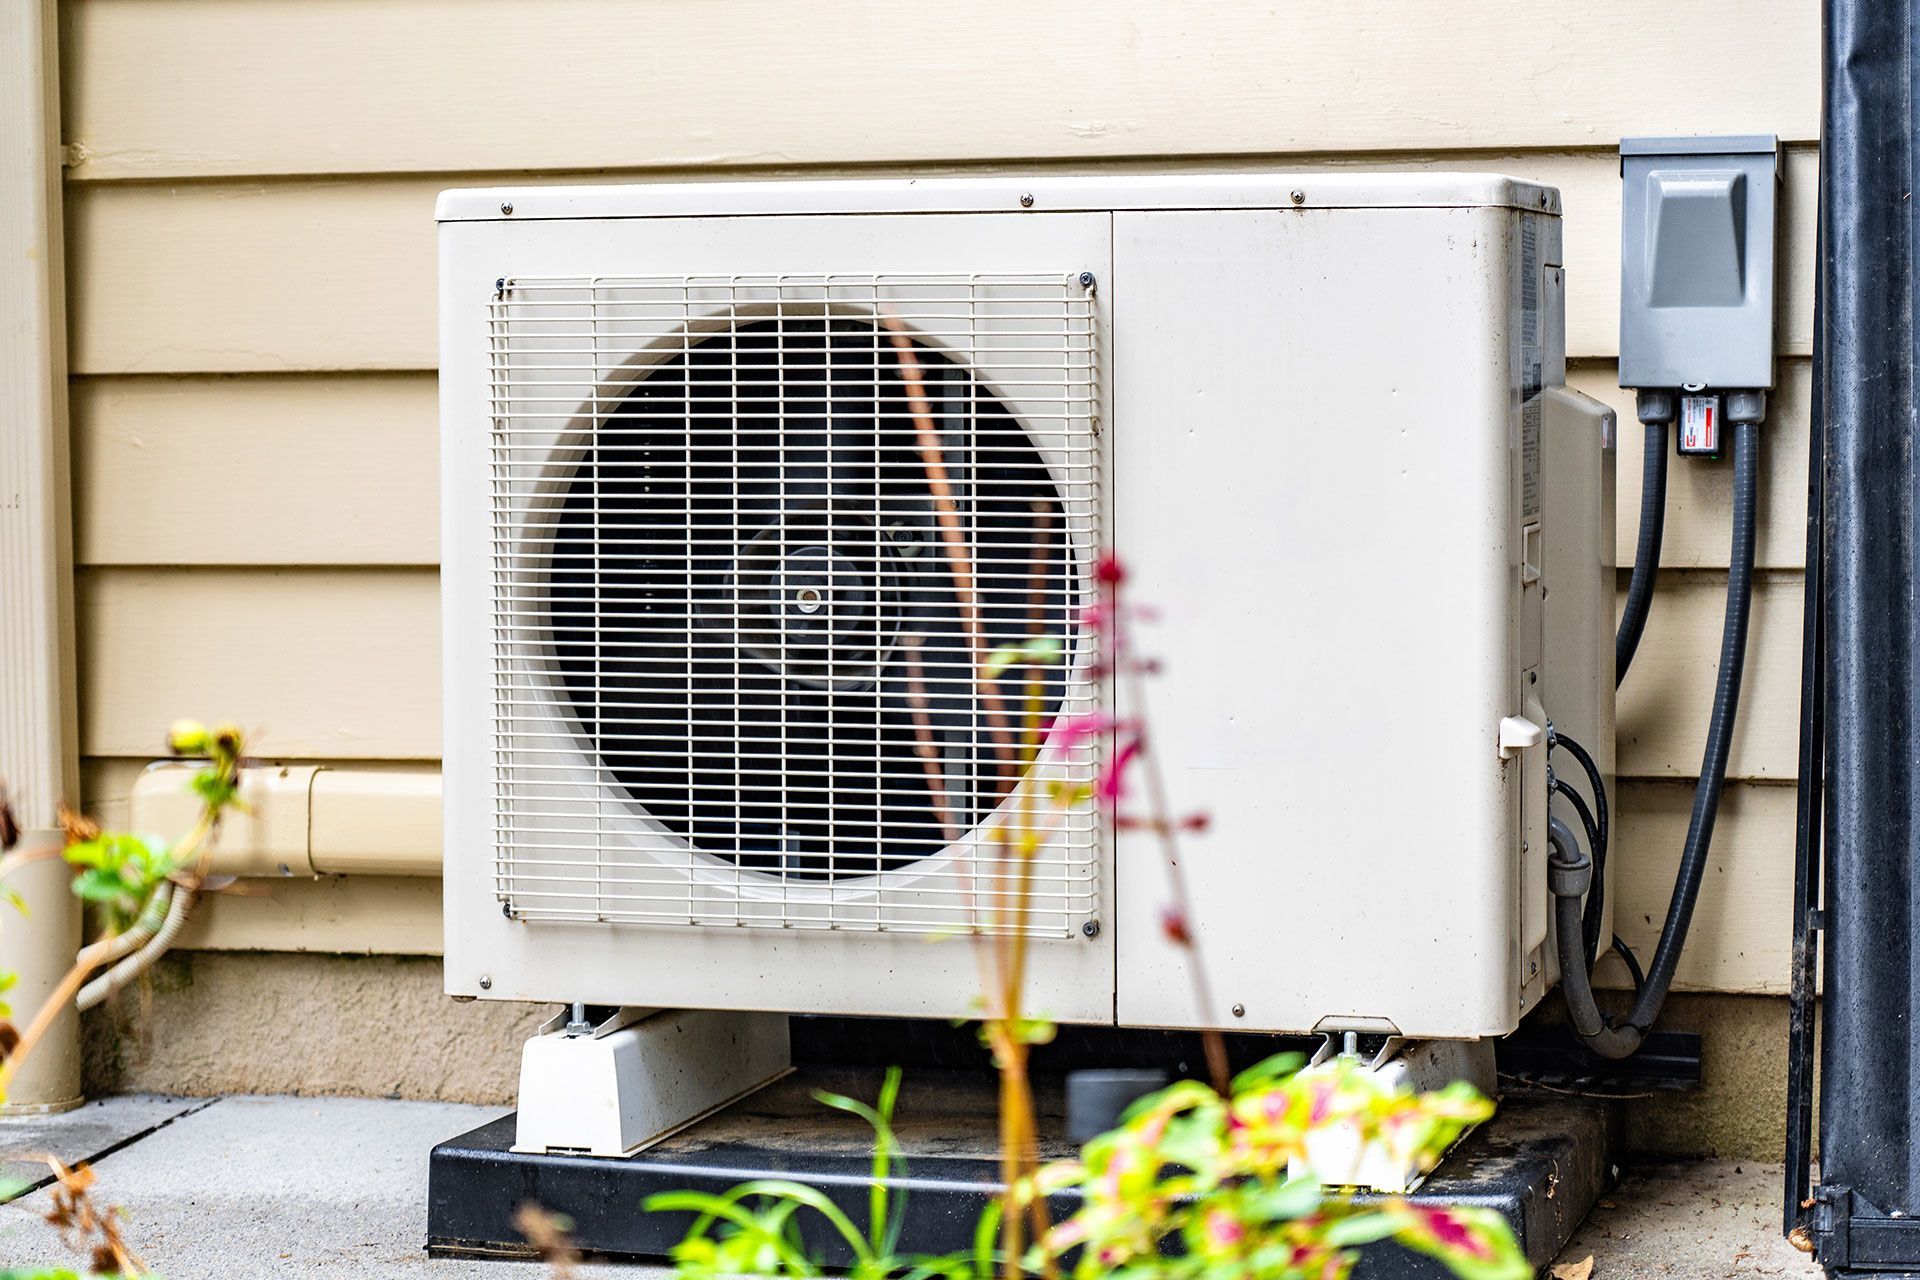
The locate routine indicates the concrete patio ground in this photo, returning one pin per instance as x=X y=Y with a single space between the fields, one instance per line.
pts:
x=242 y=1187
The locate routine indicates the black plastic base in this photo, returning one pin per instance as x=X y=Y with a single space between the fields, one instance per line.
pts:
x=1543 y=1162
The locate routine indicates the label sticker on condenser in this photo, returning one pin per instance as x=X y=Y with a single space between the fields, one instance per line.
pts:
x=1699 y=424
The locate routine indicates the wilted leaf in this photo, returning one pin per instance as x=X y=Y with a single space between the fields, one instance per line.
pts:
x=1581 y=1270
x=78 y=827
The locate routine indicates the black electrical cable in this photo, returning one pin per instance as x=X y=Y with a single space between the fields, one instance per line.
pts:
x=1599 y=839
x=1564 y=867
x=1646 y=555
x=1632 y=962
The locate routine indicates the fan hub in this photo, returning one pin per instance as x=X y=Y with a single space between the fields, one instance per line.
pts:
x=810 y=598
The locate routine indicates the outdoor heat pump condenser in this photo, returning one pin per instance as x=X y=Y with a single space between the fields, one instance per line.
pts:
x=718 y=735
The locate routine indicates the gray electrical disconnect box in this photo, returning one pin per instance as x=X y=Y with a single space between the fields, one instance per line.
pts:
x=1696 y=263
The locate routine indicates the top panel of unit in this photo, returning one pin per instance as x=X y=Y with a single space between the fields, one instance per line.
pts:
x=1326 y=190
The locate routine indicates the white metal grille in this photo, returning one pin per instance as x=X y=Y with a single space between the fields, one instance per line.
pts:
x=752 y=538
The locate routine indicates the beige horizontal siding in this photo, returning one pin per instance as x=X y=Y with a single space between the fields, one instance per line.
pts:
x=324 y=663
x=205 y=87
x=353 y=915
x=1741 y=936
x=225 y=277
x=1665 y=701
x=256 y=470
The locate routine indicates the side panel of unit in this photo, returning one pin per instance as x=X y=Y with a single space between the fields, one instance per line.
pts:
x=1578 y=442
x=1316 y=480
x=684 y=965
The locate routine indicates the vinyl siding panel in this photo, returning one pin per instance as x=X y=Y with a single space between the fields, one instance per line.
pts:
x=222 y=470
x=330 y=663
x=199 y=88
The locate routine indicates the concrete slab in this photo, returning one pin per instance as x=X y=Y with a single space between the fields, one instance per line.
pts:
x=85 y=1133
x=266 y=1187
x=1701 y=1220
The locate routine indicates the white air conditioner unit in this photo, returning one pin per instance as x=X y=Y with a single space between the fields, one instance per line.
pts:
x=715 y=738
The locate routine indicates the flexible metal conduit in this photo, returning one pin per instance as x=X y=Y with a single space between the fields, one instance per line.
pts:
x=1570 y=869
x=1656 y=411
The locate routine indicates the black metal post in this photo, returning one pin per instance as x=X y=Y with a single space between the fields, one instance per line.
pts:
x=1864 y=1218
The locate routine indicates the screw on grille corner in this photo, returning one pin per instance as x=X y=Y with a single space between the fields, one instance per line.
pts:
x=1091 y=928
x=1086 y=279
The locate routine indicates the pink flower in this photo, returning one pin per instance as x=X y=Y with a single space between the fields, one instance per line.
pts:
x=1069 y=732
x=1174 y=925
x=1224 y=1231
x=1109 y=571
x=1113 y=778
x=1452 y=1232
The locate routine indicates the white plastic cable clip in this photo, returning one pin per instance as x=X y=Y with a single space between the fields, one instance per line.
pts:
x=1517 y=733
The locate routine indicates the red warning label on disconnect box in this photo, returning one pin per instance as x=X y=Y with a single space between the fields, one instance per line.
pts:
x=1700 y=424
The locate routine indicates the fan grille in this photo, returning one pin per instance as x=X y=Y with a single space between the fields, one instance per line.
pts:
x=752 y=536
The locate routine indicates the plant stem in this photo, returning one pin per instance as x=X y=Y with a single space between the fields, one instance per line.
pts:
x=1162 y=821
x=91 y=957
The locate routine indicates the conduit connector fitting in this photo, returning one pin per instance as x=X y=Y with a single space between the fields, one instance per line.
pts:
x=1569 y=879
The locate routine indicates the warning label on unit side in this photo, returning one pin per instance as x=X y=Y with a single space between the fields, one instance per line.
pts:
x=1530 y=459
x=1531 y=368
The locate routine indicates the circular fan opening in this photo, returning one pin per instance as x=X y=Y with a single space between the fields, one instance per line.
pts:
x=759 y=627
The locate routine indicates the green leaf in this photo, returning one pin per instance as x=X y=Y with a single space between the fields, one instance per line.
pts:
x=883 y=1228
x=1267 y=1072
x=1474 y=1244
x=812 y=1198
x=999 y=660
x=985 y=1232
x=216 y=788
x=1293 y=1198
x=762 y=1232
x=1359 y=1229
x=1045 y=649
x=1037 y=651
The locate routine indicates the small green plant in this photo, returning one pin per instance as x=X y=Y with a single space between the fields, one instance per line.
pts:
x=754 y=1228
x=141 y=892
x=1195 y=1185
x=1190 y=1186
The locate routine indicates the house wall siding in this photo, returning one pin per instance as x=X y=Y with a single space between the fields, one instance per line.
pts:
x=251 y=287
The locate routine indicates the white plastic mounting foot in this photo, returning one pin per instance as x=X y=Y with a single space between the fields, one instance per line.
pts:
x=1338 y=1156
x=640 y=1076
